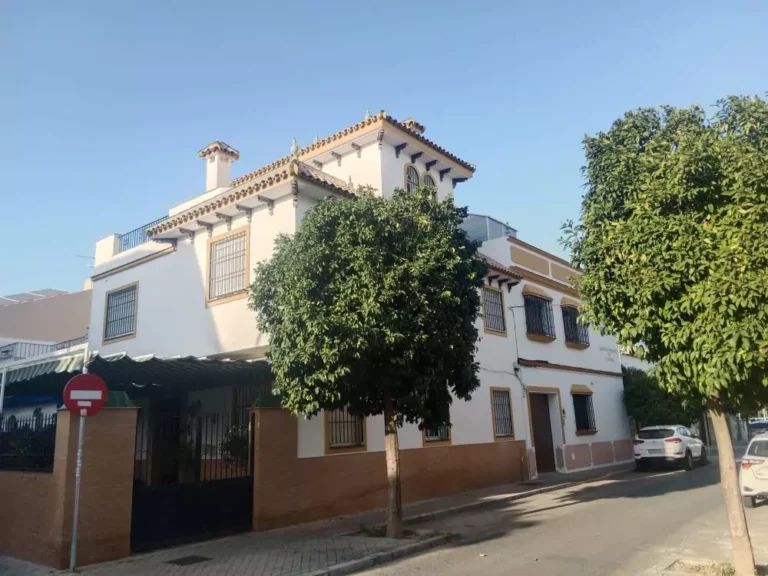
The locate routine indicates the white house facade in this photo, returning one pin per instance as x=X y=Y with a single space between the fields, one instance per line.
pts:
x=549 y=396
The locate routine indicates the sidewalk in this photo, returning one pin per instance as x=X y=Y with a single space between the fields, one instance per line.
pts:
x=332 y=547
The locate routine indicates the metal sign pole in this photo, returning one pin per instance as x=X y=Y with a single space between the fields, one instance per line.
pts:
x=78 y=475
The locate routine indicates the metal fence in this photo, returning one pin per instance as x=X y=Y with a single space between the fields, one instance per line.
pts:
x=28 y=442
x=172 y=449
x=138 y=236
x=24 y=350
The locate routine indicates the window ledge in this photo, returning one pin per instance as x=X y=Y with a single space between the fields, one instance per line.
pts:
x=577 y=345
x=503 y=438
x=541 y=337
x=430 y=443
x=586 y=432
x=495 y=332
x=345 y=449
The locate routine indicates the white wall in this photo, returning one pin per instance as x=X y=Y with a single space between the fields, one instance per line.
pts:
x=393 y=172
x=172 y=318
x=635 y=362
x=363 y=170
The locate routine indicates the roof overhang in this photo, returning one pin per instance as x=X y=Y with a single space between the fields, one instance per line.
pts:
x=137 y=376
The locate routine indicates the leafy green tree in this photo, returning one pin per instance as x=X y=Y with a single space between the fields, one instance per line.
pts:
x=649 y=404
x=371 y=305
x=673 y=243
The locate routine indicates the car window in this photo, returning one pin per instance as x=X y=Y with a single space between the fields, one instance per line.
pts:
x=682 y=432
x=656 y=433
x=759 y=449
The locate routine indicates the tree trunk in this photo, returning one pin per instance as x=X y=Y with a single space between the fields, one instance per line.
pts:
x=392 y=449
x=743 y=558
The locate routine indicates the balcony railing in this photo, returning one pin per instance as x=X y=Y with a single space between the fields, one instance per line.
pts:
x=137 y=237
x=24 y=350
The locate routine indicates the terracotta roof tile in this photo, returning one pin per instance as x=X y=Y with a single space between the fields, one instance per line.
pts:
x=497 y=266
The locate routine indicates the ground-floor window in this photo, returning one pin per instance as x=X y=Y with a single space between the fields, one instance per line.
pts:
x=501 y=406
x=344 y=430
x=584 y=413
x=440 y=434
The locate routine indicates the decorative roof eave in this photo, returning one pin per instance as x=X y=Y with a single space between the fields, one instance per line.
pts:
x=293 y=170
x=494 y=266
x=369 y=123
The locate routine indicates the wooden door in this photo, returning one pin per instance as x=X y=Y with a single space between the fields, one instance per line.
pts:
x=542 y=433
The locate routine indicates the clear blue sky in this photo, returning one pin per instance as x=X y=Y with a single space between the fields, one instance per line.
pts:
x=104 y=104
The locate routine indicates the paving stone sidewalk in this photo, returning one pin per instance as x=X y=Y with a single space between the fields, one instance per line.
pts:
x=309 y=549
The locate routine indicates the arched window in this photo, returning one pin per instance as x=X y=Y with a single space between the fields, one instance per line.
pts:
x=429 y=182
x=411 y=179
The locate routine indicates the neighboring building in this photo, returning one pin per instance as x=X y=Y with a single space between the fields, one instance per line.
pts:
x=567 y=375
x=34 y=324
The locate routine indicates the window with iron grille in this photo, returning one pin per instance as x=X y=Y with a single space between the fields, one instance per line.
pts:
x=575 y=331
x=502 y=413
x=538 y=316
x=584 y=413
x=121 y=313
x=429 y=182
x=411 y=179
x=440 y=434
x=493 y=310
x=345 y=430
x=228 y=268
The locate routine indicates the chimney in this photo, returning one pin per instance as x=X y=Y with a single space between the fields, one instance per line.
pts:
x=218 y=158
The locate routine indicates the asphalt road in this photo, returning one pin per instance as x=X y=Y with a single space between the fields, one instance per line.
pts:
x=635 y=523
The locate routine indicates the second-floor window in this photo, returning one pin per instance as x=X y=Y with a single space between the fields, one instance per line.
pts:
x=429 y=182
x=575 y=332
x=440 y=434
x=493 y=310
x=228 y=267
x=411 y=179
x=120 y=319
x=539 y=320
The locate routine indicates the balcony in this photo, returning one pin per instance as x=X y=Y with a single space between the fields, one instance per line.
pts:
x=24 y=350
x=136 y=237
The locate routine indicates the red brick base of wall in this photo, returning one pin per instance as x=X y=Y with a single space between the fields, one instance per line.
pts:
x=290 y=490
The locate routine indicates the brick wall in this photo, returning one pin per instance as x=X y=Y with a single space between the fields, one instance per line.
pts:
x=37 y=507
x=289 y=490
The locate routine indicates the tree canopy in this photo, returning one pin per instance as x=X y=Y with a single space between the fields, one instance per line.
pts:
x=373 y=298
x=649 y=404
x=673 y=244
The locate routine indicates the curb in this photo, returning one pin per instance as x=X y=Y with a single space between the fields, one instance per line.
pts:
x=383 y=557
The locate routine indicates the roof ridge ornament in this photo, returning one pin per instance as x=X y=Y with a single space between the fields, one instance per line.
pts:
x=367 y=113
x=294 y=149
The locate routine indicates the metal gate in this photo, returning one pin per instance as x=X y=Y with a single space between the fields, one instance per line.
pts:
x=193 y=476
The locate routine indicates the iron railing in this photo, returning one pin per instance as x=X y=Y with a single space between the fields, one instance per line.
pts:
x=24 y=350
x=28 y=442
x=138 y=236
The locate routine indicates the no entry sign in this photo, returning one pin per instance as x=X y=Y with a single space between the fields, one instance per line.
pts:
x=85 y=394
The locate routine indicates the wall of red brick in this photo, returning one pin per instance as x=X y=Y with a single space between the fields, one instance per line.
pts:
x=37 y=507
x=289 y=490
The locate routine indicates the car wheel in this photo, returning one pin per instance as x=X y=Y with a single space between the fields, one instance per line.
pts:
x=703 y=460
x=748 y=501
x=642 y=465
x=688 y=463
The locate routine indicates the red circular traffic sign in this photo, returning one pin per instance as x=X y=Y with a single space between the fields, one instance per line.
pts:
x=85 y=394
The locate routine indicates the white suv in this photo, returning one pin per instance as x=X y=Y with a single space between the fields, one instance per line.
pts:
x=668 y=444
x=753 y=476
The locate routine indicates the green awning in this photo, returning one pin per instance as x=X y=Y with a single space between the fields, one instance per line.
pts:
x=138 y=376
x=65 y=364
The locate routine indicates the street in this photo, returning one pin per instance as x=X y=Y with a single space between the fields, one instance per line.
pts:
x=636 y=523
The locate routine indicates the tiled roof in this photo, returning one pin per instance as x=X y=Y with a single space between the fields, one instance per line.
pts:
x=497 y=266
x=292 y=169
x=366 y=123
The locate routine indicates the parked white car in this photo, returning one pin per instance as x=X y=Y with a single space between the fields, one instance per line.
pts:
x=753 y=476
x=668 y=444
